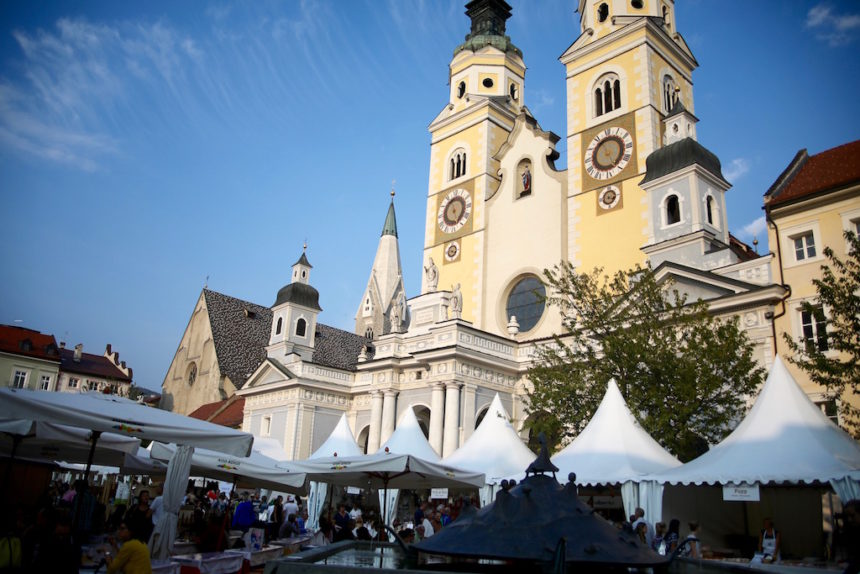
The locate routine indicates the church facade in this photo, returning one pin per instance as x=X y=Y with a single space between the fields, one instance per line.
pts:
x=639 y=189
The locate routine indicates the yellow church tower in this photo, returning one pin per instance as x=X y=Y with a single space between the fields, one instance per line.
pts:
x=624 y=74
x=486 y=78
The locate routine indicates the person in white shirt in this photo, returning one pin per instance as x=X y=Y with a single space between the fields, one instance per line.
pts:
x=639 y=513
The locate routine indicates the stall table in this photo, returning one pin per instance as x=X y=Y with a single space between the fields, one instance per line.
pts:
x=254 y=558
x=210 y=563
x=293 y=544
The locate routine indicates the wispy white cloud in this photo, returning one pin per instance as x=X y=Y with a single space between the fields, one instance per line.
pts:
x=831 y=27
x=540 y=99
x=754 y=229
x=736 y=169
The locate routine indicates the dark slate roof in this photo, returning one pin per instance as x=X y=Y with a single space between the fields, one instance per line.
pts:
x=338 y=348
x=677 y=156
x=240 y=338
x=807 y=175
x=304 y=261
x=300 y=294
x=390 y=225
x=27 y=342
x=95 y=365
x=678 y=108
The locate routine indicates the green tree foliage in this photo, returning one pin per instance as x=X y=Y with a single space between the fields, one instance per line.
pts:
x=835 y=362
x=684 y=374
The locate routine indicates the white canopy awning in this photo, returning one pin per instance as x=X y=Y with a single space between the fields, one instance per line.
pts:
x=339 y=443
x=494 y=448
x=784 y=438
x=613 y=448
x=408 y=438
x=254 y=471
x=113 y=414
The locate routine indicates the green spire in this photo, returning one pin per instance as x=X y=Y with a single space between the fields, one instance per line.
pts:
x=390 y=227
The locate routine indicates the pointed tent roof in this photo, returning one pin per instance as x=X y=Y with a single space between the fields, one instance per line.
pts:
x=613 y=447
x=340 y=442
x=784 y=438
x=408 y=438
x=494 y=448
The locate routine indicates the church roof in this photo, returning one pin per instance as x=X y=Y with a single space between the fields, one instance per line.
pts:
x=807 y=175
x=390 y=226
x=303 y=260
x=676 y=156
x=240 y=332
x=488 y=27
x=300 y=294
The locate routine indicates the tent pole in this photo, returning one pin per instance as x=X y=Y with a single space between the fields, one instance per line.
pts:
x=79 y=496
x=16 y=441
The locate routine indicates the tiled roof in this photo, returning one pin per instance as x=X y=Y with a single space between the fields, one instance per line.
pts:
x=241 y=338
x=240 y=332
x=95 y=365
x=337 y=348
x=29 y=343
x=808 y=175
x=226 y=413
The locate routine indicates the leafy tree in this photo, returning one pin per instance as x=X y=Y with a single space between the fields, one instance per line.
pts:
x=684 y=374
x=834 y=362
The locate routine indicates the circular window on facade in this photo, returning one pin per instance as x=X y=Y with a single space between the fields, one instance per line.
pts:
x=526 y=302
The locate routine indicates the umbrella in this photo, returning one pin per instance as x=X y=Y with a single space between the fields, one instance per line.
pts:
x=254 y=471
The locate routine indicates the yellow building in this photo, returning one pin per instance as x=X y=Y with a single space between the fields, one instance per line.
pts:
x=808 y=208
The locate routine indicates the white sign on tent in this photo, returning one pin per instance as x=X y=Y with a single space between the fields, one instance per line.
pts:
x=741 y=492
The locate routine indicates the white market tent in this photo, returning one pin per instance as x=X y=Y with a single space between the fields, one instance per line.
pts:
x=389 y=469
x=42 y=440
x=614 y=449
x=784 y=440
x=340 y=442
x=110 y=413
x=495 y=449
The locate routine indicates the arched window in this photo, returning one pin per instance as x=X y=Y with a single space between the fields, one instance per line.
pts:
x=368 y=333
x=513 y=91
x=709 y=208
x=458 y=164
x=673 y=210
x=602 y=12
x=666 y=21
x=461 y=89
x=279 y=325
x=301 y=327
x=670 y=93
x=607 y=94
x=191 y=376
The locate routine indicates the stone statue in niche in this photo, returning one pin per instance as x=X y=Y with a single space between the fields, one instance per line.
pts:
x=456 y=305
x=527 y=181
x=431 y=276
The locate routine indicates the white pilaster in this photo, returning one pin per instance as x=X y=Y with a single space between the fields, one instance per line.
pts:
x=437 y=411
x=388 y=412
x=375 y=422
x=452 y=415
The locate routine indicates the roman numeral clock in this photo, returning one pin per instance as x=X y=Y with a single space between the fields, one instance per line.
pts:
x=608 y=159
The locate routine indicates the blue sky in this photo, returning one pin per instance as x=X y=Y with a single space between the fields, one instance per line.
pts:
x=146 y=146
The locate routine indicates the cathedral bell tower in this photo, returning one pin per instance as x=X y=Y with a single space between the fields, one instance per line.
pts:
x=624 y=72
x=294 y=315
x=486 y=78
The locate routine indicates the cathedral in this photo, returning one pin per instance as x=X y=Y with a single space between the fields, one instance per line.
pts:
x=638 y=189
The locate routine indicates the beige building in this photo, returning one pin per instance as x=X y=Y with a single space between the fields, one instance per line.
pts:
x=28 y=359
x=639 y=188
x=808 y=208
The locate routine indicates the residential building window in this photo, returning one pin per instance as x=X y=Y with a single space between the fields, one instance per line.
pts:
x=457 y=164
x=830 y=410
x=856 y=225
x=45 y=382
x=19 y=380
x=607 y=94
x=814 y=327
x=804 y=246
x=301 y=327
x=673 y=210
x=73 y=383
x=266 y=426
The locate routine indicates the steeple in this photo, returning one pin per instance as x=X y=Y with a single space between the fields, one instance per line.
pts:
x=383 y=306
x=488 y=26
x=294 y=315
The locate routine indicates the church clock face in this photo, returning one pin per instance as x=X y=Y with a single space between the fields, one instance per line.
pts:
x=608 y=153
x=454 y=211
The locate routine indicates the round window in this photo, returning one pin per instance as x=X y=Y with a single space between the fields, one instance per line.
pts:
x=526 y=302
x=488 y=82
